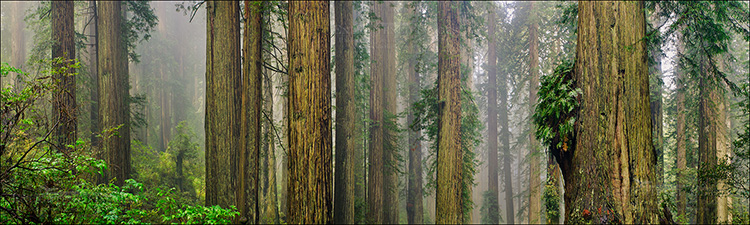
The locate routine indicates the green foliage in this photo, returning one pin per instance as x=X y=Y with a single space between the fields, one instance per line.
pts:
x=426 y=113
x=487 y=205
x=41 y=185
x=555 y=113
x=551 y=199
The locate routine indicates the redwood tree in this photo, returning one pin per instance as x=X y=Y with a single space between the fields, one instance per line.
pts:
x=309 y=131
x=64 y=97
x=223 y=87
x=114 y=110
x=611 y=164
x=493 y=209
x=449 y=199
x=345 y=115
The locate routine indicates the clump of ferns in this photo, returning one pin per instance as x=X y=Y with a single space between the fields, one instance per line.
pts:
x=557 y=109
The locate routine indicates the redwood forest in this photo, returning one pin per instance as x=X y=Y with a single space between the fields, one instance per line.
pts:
x=374 y=112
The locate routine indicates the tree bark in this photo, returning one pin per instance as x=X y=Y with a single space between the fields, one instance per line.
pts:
x=376 y=177
x=657 y=113
x=346 y=112
x=114 y=109
x=449 y=203
x=680 y=132
x=250 y=114
x=92 y=50
x=64 y=97
x=505 y=142
x=223 y=101
x=18 y=44
x=414 y=204
x=535 y=187
x=711 y=143
x=493 y=210
x=611 y=165
x=310 y=150
x=390 y=93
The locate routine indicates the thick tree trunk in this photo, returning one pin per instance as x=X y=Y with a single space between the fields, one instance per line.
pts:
x=223 y=101
x=376 y=176
x=611 y=165
x=250 y=114
x=114 y=109
x=414 y=204
x=64 y=111
x=346 y=112
x=449 y=202
x=535 y=187
x=712 y=144
x=310 y=150
x=390 y=93
x=493 y=210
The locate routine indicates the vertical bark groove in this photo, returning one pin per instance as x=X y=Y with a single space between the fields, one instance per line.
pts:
x=449 y=203
x=310 y=150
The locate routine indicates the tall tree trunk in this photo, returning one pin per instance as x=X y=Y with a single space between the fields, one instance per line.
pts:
x=18 y=44
x=535 y=187
x=505 y=142
x=449 y=201
x=681 y=139
x=467 y=83
x=360 y=126
x=376 y=176
x=114 y=109
x=250 y=115
x=64 y=97
x=165 y=120
x=310 y=150
x=92 y=49
x=390 y=93
x=270 y=212
x=711 y=143
x=223 y=102
x=657 y=113
x=493 y=210
x=414 y=204
x=611 y=165
x=346 y=112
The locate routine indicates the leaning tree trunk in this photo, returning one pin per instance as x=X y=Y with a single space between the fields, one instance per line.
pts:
x=250 y=115
x=114 y=110
x=611 y=165
x=64 y=97
x=310 y=150
x=449 y=203
x=494 y=207
x=223 y=85
x=346 y=112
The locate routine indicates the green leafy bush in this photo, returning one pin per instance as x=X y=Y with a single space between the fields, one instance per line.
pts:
x=557 y=108
x=39 y=184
